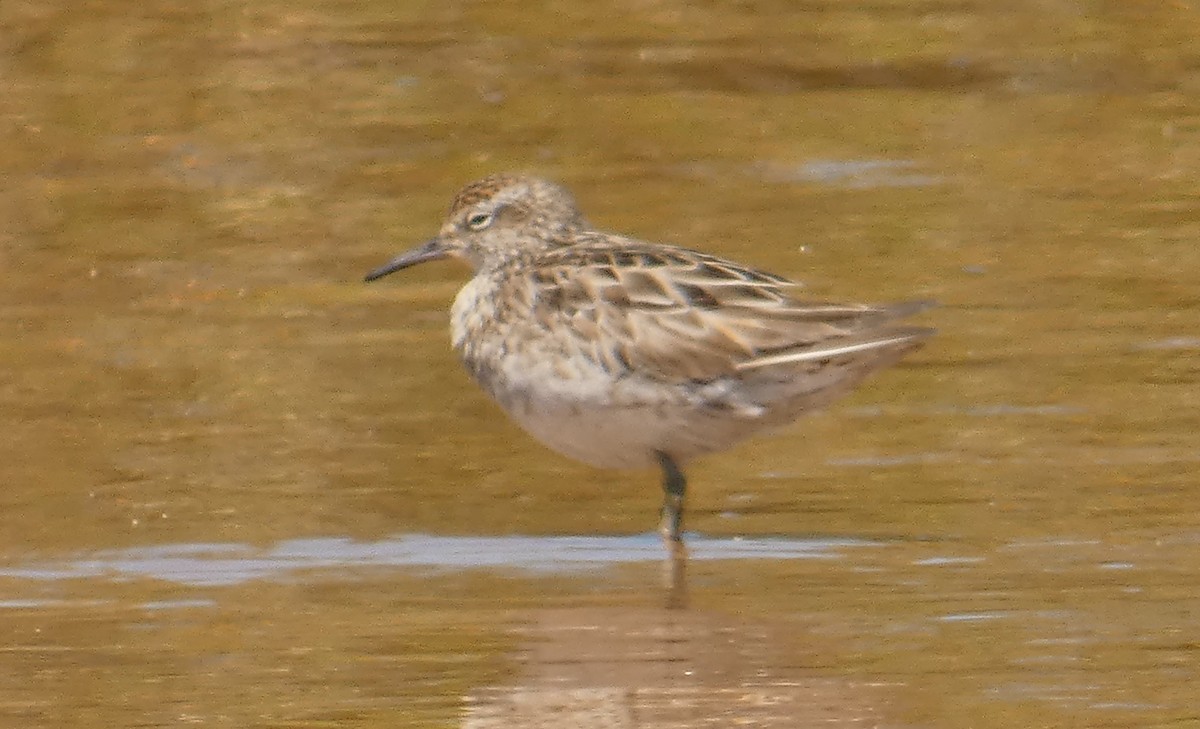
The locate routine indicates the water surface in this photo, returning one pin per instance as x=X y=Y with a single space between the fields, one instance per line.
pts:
x=243 y=489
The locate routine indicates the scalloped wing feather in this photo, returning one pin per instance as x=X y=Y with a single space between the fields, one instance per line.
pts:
x=679 y=315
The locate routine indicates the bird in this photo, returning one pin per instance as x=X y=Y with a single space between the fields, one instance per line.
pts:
x=625 y=354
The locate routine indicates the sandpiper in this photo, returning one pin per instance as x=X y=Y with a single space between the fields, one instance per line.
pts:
x=625 y=354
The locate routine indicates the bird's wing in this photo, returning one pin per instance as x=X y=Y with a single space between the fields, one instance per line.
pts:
x=678 y=315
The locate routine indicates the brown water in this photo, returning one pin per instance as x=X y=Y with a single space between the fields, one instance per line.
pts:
x=242 y=489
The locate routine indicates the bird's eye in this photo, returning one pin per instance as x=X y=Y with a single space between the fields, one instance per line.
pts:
x=479 y=221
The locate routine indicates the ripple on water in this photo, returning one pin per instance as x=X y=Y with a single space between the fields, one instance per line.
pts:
x=226 y=564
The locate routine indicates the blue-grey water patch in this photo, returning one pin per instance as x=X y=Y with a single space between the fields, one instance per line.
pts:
x=226 y=564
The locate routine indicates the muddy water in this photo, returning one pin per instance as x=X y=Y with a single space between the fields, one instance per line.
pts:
x=242 y=489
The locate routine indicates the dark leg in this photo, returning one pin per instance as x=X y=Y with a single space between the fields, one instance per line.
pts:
x=674 y=487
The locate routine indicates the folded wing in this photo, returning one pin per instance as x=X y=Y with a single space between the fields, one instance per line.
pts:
x=676 y=315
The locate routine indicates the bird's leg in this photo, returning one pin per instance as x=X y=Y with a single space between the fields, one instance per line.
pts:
x=674 y=487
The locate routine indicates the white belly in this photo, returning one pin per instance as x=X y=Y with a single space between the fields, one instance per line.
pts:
x=579 y=411
x=609 y=436
x=606 y=438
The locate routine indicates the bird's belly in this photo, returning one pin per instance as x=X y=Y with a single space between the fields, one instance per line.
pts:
x=602 y=437
x=584 y=413
x=577 y=410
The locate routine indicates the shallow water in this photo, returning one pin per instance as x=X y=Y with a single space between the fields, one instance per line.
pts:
x=229 y=564
x=241 y=488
